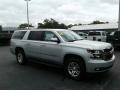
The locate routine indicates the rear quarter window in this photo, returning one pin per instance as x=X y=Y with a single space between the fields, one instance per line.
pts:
x=35 y=35
x=18 y=35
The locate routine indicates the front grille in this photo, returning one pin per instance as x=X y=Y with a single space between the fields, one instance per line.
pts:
x=108 y=50
x=108 y=54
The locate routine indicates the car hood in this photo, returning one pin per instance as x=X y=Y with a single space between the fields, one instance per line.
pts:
x=91 y=44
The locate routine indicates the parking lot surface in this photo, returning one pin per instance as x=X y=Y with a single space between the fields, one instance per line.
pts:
x=41 y=77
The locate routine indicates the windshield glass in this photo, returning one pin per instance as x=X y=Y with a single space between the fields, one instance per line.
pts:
x=69 y=36
x=94 y=33
x=112 y=33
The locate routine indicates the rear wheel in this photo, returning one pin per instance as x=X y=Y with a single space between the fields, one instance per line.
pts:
x=20 y=56
x=75 y=68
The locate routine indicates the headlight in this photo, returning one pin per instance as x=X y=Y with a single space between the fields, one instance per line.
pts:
x=95 y=54
x=94 y=51
x=90 y=51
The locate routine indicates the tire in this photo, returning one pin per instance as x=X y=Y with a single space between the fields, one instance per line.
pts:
x=20 y=56
x=75 y=68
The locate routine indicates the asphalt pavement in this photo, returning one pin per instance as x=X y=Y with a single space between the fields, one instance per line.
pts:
x=35 y=76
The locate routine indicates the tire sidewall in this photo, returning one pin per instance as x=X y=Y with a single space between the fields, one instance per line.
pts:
x=23 y=62
x=81 y=66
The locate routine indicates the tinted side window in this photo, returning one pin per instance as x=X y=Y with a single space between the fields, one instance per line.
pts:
x=18 y=35
x=35 y=35
x=48 y=36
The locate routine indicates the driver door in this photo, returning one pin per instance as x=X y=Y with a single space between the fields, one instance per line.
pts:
x=51 y=49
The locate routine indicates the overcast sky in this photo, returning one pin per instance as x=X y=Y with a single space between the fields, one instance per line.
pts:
x=13 y=12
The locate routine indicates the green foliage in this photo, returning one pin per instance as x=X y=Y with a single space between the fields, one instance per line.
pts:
x=98 y=22
x=71 y=25
x=25 y=25
x=51 y=23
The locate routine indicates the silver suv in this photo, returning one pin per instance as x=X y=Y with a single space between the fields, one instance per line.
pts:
x=64 y=48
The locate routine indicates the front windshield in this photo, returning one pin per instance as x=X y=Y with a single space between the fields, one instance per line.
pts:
x=112 y=33
x=94 y=33
x=69 y=36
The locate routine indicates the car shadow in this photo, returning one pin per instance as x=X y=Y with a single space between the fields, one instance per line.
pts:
x=46 y=67
x=94 y=78
x=4 y=44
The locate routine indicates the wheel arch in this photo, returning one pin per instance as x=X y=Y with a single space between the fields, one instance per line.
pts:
x=73 y=55
x=18 y=48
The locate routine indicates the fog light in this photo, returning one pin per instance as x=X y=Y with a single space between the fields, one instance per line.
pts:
x=97 y=69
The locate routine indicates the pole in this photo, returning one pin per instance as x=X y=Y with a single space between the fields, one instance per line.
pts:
x=27 y=12
x=119 y=17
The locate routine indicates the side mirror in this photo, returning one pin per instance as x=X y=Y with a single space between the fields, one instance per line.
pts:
x=55 y=40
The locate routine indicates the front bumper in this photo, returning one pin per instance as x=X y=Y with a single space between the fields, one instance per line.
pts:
x=99 y=65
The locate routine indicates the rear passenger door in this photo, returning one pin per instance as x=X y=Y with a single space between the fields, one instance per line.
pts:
x=34 y=45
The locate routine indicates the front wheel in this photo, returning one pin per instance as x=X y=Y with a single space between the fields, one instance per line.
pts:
x=20 y=56
x=75 y=68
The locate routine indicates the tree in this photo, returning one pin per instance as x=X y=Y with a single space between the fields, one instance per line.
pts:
x=71 y=25
x=79 y=24
x=25 y=25
x=51 y=23
x=98 y=22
